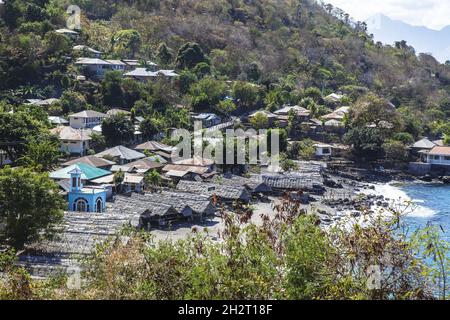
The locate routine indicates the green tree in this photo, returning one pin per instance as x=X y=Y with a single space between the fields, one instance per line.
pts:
x=117 y=129
x=31 y=206
x=366 y=142
x=186 y=80
x=395 y=151
x=287 y=164
x=112 y=90
x=153 y=179
x=202 y=69
x=404 y=137
x=73 y=102
x=259 y=121
x=98 y=142
x=226 y=106
x=253 y=72
x=302 y=150
x=41 y=155
x=371 y=109
x=207 y=93
x=164 y=54
x=189 y=55
x=16 y=129
x=446 y=139
x=149 y=127
x=127 y=43
x=246 y=94
x=56 y=43
x=118 y=179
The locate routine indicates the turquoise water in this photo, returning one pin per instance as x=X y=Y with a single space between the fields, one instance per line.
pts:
x=434 y=206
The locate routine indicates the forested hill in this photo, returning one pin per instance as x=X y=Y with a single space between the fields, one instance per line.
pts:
x=285 y=46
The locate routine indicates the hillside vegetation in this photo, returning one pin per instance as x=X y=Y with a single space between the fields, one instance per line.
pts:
x=292 y=50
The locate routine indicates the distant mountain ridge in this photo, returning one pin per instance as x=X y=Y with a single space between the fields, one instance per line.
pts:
x=423 y=39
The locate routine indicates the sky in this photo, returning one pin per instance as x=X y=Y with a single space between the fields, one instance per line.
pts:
x=434 y=14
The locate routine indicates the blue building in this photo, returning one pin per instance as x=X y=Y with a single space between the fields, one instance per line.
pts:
x=87 y=199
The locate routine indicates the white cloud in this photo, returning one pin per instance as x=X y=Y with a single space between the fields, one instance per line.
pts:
x=433 y=14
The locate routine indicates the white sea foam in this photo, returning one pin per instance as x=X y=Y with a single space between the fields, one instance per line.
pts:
x=395 y=194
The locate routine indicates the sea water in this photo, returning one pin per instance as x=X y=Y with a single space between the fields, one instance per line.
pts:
x=430 y=204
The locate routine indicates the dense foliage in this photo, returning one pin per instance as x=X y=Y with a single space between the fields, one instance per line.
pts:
x=30 y=207
x=288 y=256
x=280 y=51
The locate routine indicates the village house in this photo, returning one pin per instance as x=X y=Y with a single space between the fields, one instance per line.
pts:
x=223 y=126
x=42 y=102
x=201 y=205
x=147 y=164
x=114 y=112
x=313 y=128
x=301 y=114
x=89 y=172
x=67 y=32
x=85 y=50
x=226 y=193
x=156 y=148
x=424 y=146
x=137 y=134
x=270 y=116
x=323 y=150
x=121 y=155
x=308 y=177
x=334 y=125
x=330 y=150
x=439 y=156
x=337 y=115
x=132 y=183
x=92 y=161
x=79 y=234
x=132 y=64
x=207 y=119
x=96 y=68
x=58 y=121
x=153 y=214
x=86 y=119
x=134 y=174
x=145 y=74
x=189 y=169
x=93 y=67
x=73 y=141
x=334 y=98
x=116 y=65
x=254 y=184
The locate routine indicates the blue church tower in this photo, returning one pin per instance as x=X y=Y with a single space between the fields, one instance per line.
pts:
x=85 y=199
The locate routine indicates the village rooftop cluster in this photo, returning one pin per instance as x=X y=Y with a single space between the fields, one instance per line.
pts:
x=108 y=189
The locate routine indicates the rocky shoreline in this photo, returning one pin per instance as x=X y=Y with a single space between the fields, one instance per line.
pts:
x=352 y=192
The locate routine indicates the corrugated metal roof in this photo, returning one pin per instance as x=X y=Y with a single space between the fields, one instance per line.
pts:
x=154 y=146
x=71 y=134
x=227 y=192
x=440 y=151
x=424 y=144
x=88 y=172
x=90 y=160
x=122 y=153
x=187 y=169
x=88 y=114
